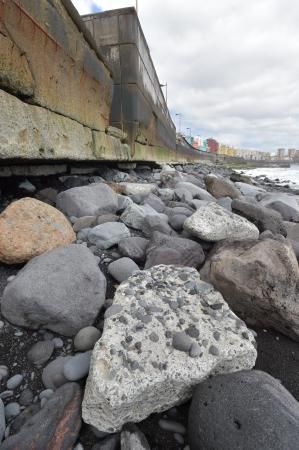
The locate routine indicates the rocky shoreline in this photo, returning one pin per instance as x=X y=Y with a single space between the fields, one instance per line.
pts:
x=161 y=285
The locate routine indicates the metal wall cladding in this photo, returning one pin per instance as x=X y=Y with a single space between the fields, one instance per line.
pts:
x=138 y=104
x=56 y=67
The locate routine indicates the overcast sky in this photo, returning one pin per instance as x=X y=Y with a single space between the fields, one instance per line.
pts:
x=232 y=66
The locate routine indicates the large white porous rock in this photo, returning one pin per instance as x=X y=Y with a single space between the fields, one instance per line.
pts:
x=259 y=280
x=166 y=331
x=214 y=223
x=62 y=290
x=92 y=200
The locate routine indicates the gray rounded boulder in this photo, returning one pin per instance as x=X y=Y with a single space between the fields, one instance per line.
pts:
x=243 y=410
x=92 y=200
x=62 y=290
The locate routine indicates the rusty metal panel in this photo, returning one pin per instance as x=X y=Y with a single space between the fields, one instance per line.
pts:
x=138 y=103
x=69 y=77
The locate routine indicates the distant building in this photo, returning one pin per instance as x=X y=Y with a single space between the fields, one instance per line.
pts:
x=213 y=145
x=291 y=153
x=227 y=150
x=200 y=144
x=281 y=153
x=253 y=154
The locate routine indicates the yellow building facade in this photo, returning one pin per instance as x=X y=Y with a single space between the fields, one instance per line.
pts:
x=227 y=150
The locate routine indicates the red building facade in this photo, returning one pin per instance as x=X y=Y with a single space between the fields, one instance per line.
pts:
x=213 y=145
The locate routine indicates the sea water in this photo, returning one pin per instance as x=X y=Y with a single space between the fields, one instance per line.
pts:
x=285 y=175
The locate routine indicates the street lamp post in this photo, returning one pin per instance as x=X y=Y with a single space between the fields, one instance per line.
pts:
x=180 y=120
x=166 y=93
x=137 y=6
x=189 y=131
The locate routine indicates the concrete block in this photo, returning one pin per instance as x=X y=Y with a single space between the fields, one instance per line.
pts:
x=32 y=132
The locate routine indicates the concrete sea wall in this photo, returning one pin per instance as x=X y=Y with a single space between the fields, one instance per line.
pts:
x=56 y=91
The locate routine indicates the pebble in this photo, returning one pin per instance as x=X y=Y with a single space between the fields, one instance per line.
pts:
x=3 y=372
x=6 y=394
x=40 y=352
x=79 y=447
x=114 y=309
x=14 y=381
x=1 y=324
x=7 y=432
x=9 y=279
x=2 y=420
x=173 y=412
x=52 y=375
x=48 y=336
x=18 y=333
x=179 y=438
x=86 y=338
x=213 y=350
x=181 y=341
x=122 y=269
x=46 y=393
x=26 y=397
x=195 y=350
x=43 y=402
x=12 y=410
x=27 y=186
x=77 y=367
x=58 y=342
x=169 y=425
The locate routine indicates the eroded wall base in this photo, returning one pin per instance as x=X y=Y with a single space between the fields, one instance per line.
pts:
x=32 y=133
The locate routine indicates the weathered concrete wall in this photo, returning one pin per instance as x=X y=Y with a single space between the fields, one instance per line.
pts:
x=29 y=132
x=138 y=104
x=32 y=132
x=47 y=61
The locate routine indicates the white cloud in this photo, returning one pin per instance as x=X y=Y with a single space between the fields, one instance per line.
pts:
x=232 y=66
x=87 y=6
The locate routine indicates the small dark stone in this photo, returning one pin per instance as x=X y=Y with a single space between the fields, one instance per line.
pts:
x=154 y=337
x=183 y=276
x=213 y=350
x=192 y=331
x=26 y=397
x=216 y=306
x=195 y=350
x=216 y=335
x=123 y=320
x=182 y=342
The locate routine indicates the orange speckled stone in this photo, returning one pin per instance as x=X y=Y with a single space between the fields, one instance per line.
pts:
x=29 y=227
